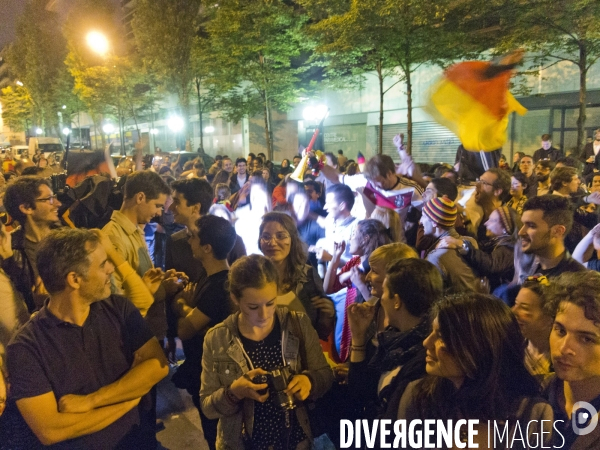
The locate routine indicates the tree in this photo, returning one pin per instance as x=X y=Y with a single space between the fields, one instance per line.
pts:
x=16 y=108
x=391 y=37
x=354 y=43
x=165 y=32
x=255 y=44
x=555 y=32
x=36 y=59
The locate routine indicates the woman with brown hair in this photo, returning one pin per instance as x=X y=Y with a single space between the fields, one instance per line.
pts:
x=260 y=365
x=475 y=363
x=300 y=288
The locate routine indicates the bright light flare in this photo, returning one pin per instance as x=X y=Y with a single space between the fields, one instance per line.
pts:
x=97 y=42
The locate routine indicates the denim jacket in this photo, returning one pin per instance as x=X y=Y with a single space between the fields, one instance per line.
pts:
x=223 y=362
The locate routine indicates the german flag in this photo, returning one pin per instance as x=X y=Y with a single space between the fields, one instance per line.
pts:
x=473 y=101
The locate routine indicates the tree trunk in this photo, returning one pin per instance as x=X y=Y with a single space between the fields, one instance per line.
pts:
x=582 y=96
x=268 y=129
x=185 y=113
x=409 y=127
x=380 y=137
x=201 y=146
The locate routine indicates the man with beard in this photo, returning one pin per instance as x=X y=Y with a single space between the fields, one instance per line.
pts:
x=490 y=191
x=546 y=222
x=542 y=176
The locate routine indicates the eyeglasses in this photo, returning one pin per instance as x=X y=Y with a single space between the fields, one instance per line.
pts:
x=47 y=199
x=485 y=183
x=281 y=236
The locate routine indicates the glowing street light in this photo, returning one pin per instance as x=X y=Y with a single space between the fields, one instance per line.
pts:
x=66 y=131
x=175 y=123
x=108 y=128
x=209 y=129
x=153 y=131
x=39 y=131
x=314 y=113
x=97 y=42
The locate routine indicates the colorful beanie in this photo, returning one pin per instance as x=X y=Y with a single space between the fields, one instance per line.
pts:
x=442 y=211
x=507 y=222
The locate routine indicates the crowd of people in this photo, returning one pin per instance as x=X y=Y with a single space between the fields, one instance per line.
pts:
x=303 y=295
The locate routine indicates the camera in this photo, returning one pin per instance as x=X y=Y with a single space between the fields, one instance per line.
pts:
x=278 y=380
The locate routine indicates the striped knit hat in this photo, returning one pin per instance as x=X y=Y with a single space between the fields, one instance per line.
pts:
x=442 y=211
x=506 y=219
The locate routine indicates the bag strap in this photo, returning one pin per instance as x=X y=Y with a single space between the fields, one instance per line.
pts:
x=297 y=331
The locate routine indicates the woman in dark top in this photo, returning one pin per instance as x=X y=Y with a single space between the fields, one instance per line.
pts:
x=476 y=371
x=240 y=360
x=285 y=169
x=410 y=288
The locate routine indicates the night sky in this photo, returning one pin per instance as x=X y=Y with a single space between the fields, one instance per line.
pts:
x=9 y=12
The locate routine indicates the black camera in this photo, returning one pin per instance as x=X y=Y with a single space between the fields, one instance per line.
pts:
x=278 y=380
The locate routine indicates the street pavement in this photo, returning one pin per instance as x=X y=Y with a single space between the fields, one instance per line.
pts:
x=174 y=408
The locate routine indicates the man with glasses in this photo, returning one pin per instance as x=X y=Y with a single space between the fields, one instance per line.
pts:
x=30 y=201
x=542 y=176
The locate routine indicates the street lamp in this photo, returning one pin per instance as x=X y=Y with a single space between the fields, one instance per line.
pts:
x=39 y=131
x=209 y=129
x=314 y=113
x=66 y=131
x=108 y=128
x=97 y=42
x=175 y=124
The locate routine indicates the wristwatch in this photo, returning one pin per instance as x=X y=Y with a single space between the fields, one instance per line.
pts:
x=466 y=247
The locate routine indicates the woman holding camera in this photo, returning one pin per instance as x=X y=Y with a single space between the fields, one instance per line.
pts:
x=260 y=364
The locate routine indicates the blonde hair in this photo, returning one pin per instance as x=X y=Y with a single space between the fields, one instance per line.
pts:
x=392 y=221
x=391 y=253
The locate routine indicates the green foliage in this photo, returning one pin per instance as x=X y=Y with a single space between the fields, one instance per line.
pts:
x=166 y=33
x=554 y=32
x=16 y=108
x=36 y=59
x=389 y=37
x=255 y=46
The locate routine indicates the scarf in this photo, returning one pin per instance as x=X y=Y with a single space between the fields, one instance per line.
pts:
x=396 y=347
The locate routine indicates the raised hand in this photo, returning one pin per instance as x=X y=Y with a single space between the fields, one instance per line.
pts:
x=360 y=316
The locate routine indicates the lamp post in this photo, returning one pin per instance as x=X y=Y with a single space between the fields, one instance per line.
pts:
x=100 y=45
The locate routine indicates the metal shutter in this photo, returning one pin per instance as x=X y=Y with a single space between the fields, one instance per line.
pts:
x=432 y=143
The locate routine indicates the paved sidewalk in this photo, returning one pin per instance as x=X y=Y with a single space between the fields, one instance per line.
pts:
x=182 y=428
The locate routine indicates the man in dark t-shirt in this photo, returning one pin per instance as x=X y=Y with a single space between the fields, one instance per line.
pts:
x=80 y=367
x=213 y=240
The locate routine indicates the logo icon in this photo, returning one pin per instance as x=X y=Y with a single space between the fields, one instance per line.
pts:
x=584 y=418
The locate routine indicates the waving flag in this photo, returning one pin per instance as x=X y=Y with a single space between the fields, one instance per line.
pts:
x=472 y=100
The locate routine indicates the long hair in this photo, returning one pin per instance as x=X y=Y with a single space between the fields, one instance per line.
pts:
x=374 y=232
x=297 y=258
x=390 y=220
x=484 y=338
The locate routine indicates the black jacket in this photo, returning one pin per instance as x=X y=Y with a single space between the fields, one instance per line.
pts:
x=553 y=154
x=21 y=270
